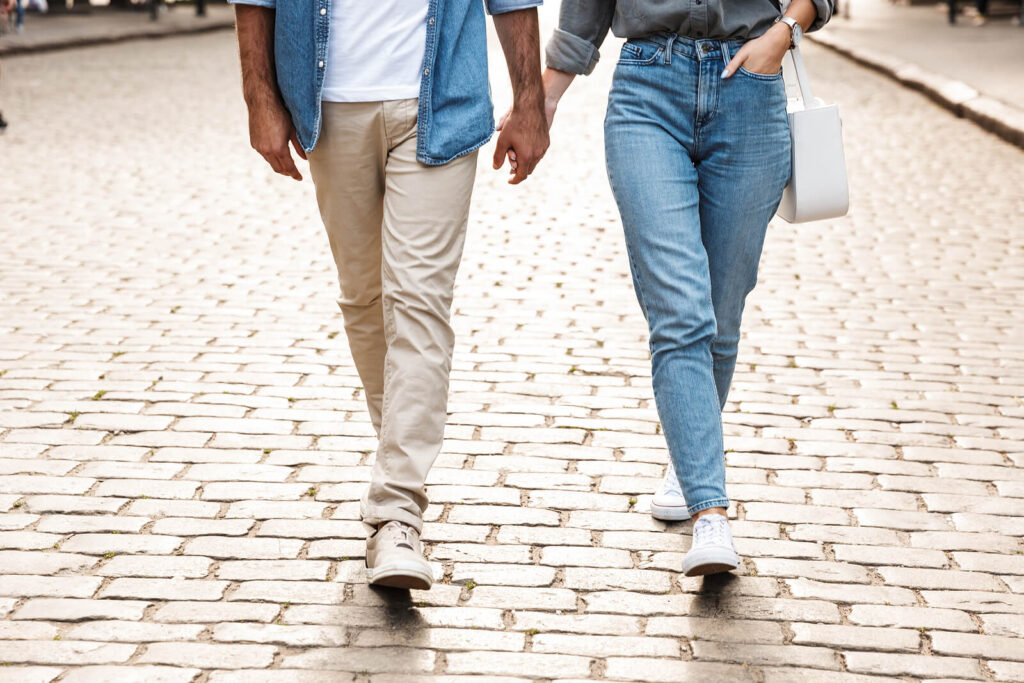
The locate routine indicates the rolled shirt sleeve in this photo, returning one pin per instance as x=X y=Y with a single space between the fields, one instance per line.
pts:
x=825 y=9
x=269 y=4
x=582 y=27
x=503 y=6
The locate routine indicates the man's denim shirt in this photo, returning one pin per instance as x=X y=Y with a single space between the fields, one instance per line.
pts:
x=455 y=111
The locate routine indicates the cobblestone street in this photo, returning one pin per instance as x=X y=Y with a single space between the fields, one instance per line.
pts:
x=183 y=440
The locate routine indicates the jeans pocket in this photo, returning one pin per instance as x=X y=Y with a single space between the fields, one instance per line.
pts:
x=760 y=76
x=637 y=53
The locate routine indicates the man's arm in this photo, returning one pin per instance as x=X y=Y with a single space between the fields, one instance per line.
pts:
x=524 y=133
x=270 y=124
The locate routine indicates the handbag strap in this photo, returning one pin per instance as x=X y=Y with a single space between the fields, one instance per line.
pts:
x=803 y=82
x=797 y=60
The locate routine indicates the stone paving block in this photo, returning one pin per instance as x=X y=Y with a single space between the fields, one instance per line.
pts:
x=25 y=585
x=911 y=617
x=443 y=639
x=227 y=547
x=975 y=601
x=813 y=570
x=42 y=563
x=278 y=634
x=206 y=612
x=1002 y=625
x=522 y=598
x=164 y=589
x=29 y=674
x=513 y=663
x=183 y=526
x=293 y=570
x=46 y=467
x=669 y=671
x=235 y=491
x=318 y=528
x=1007 y=671
x=369 y=660
x=265 y=509
x=939 y=578
x=208 y=655
x=606 y=646
x=856 y=637
x=25 y=484
x=68 y=524
x=290 y=591
x=134 y=631
x=101 y=544
x=64 y=652
x=873 y=555
x=770 y=655
x=28 y=630
x=922 y=666
x=73 y=504
x=975 y=645
x=131 y=674
x=281 y=676
x=486 y=573
x=716 y=629
x=794 y=675
x=69 y=609
x=147 y=488
x=806 y=588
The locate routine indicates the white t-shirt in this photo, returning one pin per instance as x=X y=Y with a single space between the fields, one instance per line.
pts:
x=376 y=50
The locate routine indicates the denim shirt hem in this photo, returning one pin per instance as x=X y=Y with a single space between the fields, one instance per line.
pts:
x=425 y=158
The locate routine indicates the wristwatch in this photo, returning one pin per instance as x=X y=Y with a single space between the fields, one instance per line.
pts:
x=795 y=31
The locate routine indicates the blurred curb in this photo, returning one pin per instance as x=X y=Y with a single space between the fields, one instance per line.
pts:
x=1000 y=118
x=148 y=30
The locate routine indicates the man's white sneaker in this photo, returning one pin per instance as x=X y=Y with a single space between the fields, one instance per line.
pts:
x=712 y=550
x=668 y=503
x=394 y=557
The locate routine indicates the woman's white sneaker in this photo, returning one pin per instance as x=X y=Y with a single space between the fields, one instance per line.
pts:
x=668 y=503
x=712 y=550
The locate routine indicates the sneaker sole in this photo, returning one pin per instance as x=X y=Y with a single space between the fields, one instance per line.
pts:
x=710 y=561
x=397 y=576
x=669 y=513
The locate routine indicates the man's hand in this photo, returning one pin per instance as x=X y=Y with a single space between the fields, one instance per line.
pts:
x=270 y=125
x=524 y=130
x=270 y=131
x=524 y=139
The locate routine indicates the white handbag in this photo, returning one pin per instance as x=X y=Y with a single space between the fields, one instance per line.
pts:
x=817 y=186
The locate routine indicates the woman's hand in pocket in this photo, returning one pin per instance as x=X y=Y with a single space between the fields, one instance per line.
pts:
x=762 y=55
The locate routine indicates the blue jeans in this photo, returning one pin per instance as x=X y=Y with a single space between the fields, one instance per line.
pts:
x=697 y=165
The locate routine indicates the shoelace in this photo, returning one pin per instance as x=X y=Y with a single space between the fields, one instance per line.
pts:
x=399 y=530
x=670 y=485
x=711 y=530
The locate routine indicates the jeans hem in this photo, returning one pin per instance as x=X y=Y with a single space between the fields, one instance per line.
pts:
x=715 y=503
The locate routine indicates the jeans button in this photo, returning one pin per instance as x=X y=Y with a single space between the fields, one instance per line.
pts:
x=705 y=48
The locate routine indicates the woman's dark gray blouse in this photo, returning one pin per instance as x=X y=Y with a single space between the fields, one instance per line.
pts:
x=583 y=24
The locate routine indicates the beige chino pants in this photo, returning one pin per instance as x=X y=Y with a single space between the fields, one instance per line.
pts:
x=396 y=229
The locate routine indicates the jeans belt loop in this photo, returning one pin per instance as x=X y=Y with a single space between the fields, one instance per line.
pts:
x=668 y=48
x=726 y=56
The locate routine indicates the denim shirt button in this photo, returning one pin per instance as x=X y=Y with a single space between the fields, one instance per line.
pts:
x=321 y=64
x=426 y=72
x=431 y=22
x=323 y=11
